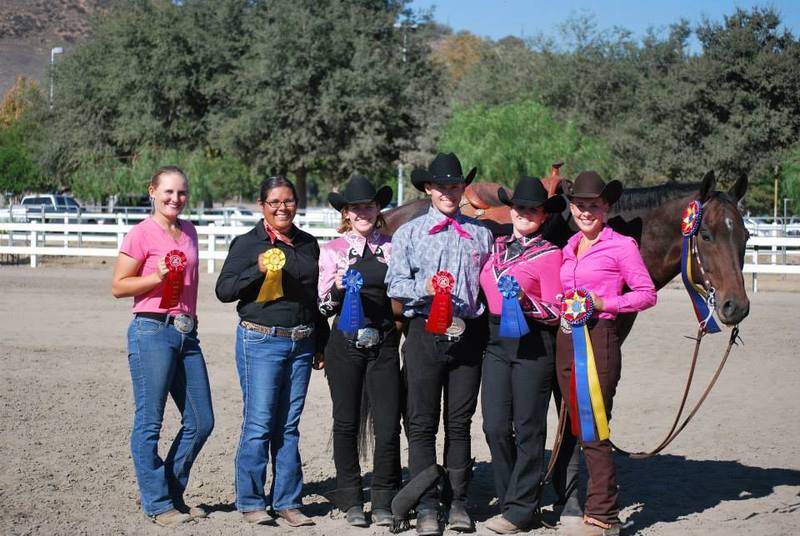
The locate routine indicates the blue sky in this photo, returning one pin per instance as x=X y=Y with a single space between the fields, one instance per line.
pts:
x=525 y=18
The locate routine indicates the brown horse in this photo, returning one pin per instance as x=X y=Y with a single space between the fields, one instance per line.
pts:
x=650 y=215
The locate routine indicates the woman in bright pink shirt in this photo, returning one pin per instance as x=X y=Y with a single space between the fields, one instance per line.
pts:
x=158 y=266
x=518 y=374
x=602 y=262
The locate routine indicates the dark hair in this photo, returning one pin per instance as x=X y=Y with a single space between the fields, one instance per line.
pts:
x=345 y=224
x=163 y=170
x=271 y=183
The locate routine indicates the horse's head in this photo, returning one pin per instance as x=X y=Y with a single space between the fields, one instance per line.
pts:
x=721 y=245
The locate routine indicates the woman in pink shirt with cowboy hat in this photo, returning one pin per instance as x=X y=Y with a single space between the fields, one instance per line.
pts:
x=602 y=262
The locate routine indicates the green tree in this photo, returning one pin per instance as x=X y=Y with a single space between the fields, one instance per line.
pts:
x=522 y=138
x=324 y=90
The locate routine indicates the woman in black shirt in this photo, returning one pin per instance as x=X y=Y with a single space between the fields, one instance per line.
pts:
x=272 y=272
x=363 y=361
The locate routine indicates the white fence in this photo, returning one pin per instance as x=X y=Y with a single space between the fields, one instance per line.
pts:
x=765 y=254
x=89 y=240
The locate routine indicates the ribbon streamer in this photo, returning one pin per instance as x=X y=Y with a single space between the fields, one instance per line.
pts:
x=703 y=309
x=589 y=419
x=351 y=319
x=173 y=284
x=512 y=321
x=441 y=315
x=272 y=288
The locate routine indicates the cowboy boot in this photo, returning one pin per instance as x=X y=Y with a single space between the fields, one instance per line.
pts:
x=458 y=519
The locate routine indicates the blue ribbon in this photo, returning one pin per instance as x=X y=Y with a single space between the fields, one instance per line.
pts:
x=582 y=384
x=702 y=312
x=512 y=322
x=351 y=319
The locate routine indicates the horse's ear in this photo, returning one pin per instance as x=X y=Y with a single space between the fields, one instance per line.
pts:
x=739 y=189
x=707 y=186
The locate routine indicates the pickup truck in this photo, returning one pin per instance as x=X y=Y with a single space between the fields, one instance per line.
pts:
x=34 y=206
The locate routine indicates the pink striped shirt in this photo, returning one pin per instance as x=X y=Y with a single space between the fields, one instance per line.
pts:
x=605 y=268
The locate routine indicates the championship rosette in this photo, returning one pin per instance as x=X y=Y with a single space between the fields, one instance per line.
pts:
x=441 y=315
x=173 y=283
x=512 y=320
x=352 y=316
x=272 y=288
x=702 y=303
x=586 y=397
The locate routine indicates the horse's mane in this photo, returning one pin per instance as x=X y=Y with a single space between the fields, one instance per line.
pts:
x=653 y=196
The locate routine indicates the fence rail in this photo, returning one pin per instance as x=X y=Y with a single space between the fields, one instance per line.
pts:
x=765 y=254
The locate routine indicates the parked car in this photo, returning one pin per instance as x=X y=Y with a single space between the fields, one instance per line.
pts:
x=33 y=207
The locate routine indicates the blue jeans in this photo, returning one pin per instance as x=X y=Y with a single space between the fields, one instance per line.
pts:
x=273 y=373
x=164 y=362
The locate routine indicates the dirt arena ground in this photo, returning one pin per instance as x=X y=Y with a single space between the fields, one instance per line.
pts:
x=66 y=410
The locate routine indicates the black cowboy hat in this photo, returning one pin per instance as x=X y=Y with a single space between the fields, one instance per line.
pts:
x=445 y=169
x=360 y=190
x=589 y=184
x=530 y=192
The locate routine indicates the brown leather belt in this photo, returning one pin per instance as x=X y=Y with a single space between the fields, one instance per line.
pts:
x=296 y=333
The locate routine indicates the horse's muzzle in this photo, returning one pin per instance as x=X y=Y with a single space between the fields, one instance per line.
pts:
x=732 y=311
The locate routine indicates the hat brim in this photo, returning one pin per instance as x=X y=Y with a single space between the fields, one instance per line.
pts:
x=552 y=204
x=421 y=176
x=382 y=198
x=611 y=192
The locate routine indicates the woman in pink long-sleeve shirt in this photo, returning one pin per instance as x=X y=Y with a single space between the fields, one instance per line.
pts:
x=603 y=262
x=518 y=375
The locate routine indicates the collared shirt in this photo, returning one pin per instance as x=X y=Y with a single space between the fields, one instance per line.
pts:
x=534 y=262
x=605 y=268
x=240 y=279
x=370 y=256
x=417 y=256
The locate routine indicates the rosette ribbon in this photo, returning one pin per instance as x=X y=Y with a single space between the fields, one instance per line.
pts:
x=512 y=321
x=441 y=315
x=272 y=288
x=173 y=283
x=351 y=319
x=701 y=302
x=589 y=420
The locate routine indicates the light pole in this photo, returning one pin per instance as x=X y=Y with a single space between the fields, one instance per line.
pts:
x=53 y=52
x=404 y=25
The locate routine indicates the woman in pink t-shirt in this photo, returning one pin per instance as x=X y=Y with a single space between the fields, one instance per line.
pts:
x=603 y=263
x=158 y=267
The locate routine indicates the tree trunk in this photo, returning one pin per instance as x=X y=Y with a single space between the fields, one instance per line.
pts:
x=300 y=183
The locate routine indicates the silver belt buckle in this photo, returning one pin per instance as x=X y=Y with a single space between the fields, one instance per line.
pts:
x=183 y=323
x=367 y=338
x=300 y=332
x=456 y=330
x=565 y=326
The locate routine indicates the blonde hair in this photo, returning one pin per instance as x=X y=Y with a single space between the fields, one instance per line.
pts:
x=345 y=224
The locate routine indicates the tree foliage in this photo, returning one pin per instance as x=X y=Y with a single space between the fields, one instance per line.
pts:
x=507 y=141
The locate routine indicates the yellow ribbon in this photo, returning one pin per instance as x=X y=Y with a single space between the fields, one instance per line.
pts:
x=595 y=393
x=272 y=287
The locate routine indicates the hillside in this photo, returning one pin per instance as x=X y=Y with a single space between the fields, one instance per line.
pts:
x=30 y=28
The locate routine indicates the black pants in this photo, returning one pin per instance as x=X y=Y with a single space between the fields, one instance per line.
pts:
x=433 y=366
x=352 y=372
x=518 y=380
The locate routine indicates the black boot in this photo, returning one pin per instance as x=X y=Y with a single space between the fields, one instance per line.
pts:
x=351 y=502
x=458 y=519
x=428 y=523
x=382 y=506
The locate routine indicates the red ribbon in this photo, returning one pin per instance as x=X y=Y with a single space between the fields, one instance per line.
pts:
x=441 y=315
x=173 y=284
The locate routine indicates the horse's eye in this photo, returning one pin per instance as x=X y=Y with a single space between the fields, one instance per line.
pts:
x=705 y=235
